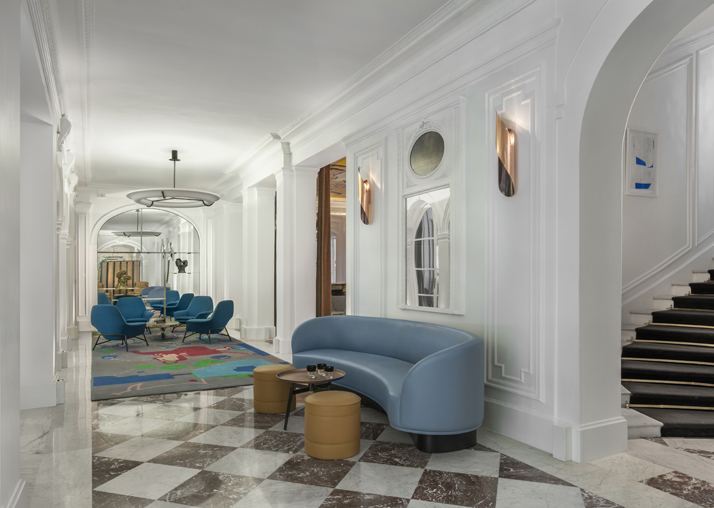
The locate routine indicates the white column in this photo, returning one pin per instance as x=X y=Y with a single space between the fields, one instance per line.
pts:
x=296 y=251
x=86 y=296
x=37 y=289
x=258 y=262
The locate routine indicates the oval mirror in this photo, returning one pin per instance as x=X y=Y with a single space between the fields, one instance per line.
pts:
x=427 y=153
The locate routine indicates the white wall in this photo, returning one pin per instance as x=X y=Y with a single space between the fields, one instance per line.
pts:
x=666 y=237
x=37 y=267
x=10 y=483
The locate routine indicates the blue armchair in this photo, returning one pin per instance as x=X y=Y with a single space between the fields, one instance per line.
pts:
x=182 y=304
x=103 y=299
x=216 y=323
x=199 y=308
x=145 y=291
x=133 y=310
x=171 y=297
x=109 y=322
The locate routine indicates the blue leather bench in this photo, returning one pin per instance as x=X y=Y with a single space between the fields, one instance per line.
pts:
x=428 y=379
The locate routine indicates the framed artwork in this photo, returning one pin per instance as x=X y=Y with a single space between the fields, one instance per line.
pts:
x=641 y=164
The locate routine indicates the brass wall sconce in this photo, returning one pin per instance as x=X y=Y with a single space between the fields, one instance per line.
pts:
x=506 y=149
x=364 y=194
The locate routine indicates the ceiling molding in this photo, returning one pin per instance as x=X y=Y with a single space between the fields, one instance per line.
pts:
x=88 y=36
x=43 y=26
x=357 y=93
x=411 y=39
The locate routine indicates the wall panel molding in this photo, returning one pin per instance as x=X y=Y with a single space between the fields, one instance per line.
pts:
x=513 y=313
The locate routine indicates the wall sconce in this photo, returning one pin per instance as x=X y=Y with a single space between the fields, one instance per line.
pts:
x=364 y=194
x=506 y=149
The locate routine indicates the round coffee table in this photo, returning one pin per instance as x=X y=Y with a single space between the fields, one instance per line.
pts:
x=299 y=377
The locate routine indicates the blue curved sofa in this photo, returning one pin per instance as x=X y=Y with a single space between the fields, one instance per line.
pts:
x=428 y=379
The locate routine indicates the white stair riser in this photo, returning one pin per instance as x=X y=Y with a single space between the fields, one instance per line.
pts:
x=662 y=304
x=680 y=290
x=640 y=319
x=625 y=399
x=627 y=336
x=700 y=277
x=644 y=431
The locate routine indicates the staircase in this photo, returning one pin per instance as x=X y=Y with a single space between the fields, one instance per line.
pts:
x=668 y=359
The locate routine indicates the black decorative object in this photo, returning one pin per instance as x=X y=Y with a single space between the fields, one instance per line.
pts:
x=181 y=265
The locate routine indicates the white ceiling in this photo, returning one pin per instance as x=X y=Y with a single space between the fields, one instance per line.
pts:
x=211 y=78
x=153 y=220
x=702 y=22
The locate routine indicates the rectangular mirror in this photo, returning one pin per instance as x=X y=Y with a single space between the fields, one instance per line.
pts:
x=428 y=249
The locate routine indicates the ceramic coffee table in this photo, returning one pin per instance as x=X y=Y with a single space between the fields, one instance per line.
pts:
x=299 y=377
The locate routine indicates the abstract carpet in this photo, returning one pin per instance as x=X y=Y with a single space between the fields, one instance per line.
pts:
x=168 y=366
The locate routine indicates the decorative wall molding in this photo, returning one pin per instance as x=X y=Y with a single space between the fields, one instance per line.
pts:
x=87 y=120
x=514 y=342
x=43 y=26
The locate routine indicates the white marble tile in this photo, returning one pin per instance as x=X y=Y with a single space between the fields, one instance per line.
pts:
x=210 y=416
x=364 y=444
x=295 y=424
x=139 y=448
x=629 y=467
x=395 y=436
x=227 y=436
x=254 y=463
x=133 y=426
x=690 y=443
x=148 y=480
x=273 y=494
x=164 y=504
x=372 y=415
x=382 y=479
x=64 y=480
x=466 y=461
x=678 y=460
x=513 y=493
x=245 y=394
x=128 y=408
x=199 y=399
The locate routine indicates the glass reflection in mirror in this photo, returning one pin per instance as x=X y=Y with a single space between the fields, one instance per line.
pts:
x=428 y=249
x=129 y=253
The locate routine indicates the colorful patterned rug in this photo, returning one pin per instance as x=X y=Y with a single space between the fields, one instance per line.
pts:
x=168 y=366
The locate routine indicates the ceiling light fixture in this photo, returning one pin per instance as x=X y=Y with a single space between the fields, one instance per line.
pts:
x=173 y=198
x=139 y=229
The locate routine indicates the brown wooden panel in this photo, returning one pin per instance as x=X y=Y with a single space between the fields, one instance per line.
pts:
x=324 y=273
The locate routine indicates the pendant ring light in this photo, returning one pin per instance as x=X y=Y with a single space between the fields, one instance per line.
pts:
x=173 y=198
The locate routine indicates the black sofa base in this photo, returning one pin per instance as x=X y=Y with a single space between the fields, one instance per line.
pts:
x=427 y=443
x=430 y=443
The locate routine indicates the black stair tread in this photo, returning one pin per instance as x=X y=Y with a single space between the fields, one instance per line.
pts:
x=673 y=370
x=685 y=317
x=661 y=389
x=668 y=351
x=702 y=287
x=675 y=333
x=682 y=422
x=694 y=302
x=684 y=312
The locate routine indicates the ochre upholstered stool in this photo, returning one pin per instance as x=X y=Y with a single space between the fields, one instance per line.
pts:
x=332 y=425
x=270 y=394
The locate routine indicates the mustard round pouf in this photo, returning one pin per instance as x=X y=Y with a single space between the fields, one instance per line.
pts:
x=332 y=425
x=270 y=394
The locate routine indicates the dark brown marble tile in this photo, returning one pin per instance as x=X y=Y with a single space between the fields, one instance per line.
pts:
x=517 y=470
x=212 y=490
x=684 y=486
x=231 y=404
x=169 y=412
x=102 y=441
x=321 y=473
x=162 y=398
x=299 y=412
x=395 y=454
x=349 y=499
x=481 y=448
x=371 y=431
x=98 y=420
x=701 y=453
x=255 y=420
x=107 y=500
x=105 y=469
x=179 y=431
x=657 y=440
x=194 y=455
x=272 y=441
x=457 y=488
x=590 y=500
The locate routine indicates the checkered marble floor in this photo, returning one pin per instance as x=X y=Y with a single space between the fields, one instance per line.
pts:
x=210 y=449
